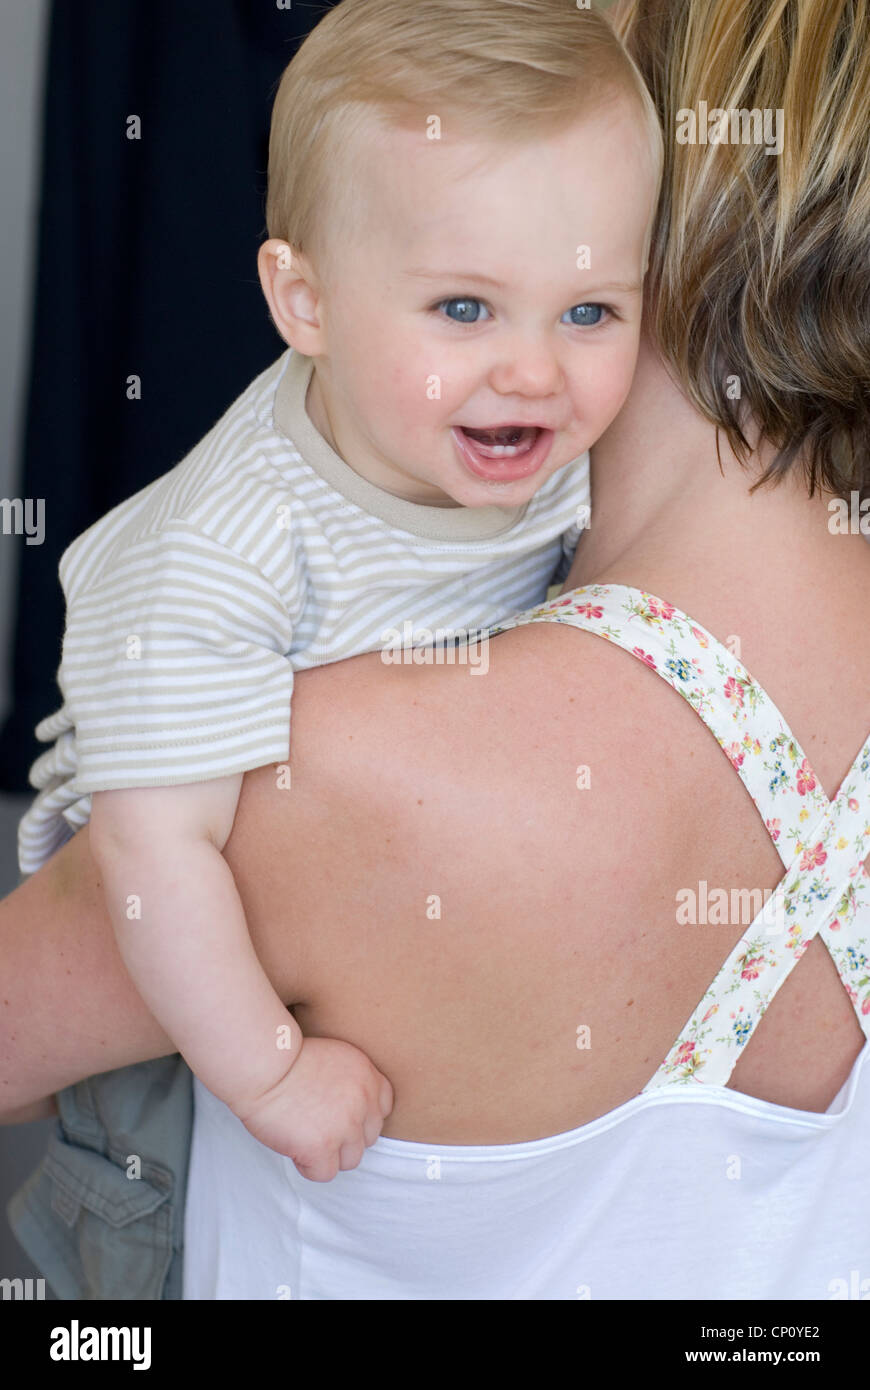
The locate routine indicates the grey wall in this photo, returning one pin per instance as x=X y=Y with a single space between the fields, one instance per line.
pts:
x=22 y=52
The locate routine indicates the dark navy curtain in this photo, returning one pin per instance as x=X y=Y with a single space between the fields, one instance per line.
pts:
x=145 y=266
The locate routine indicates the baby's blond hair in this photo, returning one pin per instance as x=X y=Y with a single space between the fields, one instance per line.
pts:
x=500 y=70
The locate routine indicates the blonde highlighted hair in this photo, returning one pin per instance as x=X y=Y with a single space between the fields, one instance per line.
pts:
x=760 y=263
x=501 y=70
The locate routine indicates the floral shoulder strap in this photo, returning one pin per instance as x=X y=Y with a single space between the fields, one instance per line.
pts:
x=823 y=844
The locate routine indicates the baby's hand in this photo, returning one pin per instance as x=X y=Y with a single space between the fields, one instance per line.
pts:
x=325 y=1111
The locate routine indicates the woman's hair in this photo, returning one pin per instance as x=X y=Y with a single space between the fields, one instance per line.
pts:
x=759 y=279
x=506 y=70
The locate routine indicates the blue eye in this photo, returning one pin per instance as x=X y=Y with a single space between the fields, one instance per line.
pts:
x=587 y=315
x=468 y=309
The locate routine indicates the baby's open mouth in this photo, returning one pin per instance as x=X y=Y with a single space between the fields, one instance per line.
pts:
x=505 y=453
x=508 y=441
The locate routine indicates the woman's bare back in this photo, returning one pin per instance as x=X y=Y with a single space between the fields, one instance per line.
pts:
x=457 y=907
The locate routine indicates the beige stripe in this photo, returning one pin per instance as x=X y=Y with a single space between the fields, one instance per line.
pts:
x=434 y=523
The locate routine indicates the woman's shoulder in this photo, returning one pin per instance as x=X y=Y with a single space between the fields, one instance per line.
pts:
x=555 y=723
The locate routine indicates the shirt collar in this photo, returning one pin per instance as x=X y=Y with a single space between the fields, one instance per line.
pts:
x=430 y=523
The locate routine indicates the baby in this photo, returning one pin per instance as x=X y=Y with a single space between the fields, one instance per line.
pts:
x=459 y=209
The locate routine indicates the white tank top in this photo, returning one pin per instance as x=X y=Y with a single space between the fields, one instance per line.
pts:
x=689 y=1190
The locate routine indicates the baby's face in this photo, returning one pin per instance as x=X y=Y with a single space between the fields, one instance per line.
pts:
x=491 y=287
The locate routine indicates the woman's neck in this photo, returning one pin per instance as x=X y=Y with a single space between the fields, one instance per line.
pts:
x=666 y=519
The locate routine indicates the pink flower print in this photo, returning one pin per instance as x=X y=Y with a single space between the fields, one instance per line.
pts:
x=683 y=1053
x=752 y=968
x=774 y=827
x=588 y=610
x=735 y=753
x=560 y=603
x=644 y=656
x=835 y=925
x=865 y=1007
x=806 y=778
x=734 y=691
x=852 y=993
x=659 y=609
x=813 y=856
x=710 y=1012
x=699 y=637
x=853 y=804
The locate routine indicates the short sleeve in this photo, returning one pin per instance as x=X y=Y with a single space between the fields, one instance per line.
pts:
x=175 y=665
x=570 y=539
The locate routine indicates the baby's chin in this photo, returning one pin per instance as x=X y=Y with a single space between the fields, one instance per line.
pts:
x=476 y=492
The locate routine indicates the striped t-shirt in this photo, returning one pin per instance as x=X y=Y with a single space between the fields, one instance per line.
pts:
x=190 y=605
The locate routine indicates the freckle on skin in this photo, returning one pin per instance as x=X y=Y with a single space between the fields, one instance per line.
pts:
x=630 y=1002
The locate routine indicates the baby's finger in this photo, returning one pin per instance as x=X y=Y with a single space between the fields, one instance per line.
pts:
x=386 y=1097
x=372 y=1128
x=320 y=1170
x=351 y=1155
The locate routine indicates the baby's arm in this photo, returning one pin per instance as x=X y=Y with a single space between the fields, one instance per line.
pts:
x=181 y=932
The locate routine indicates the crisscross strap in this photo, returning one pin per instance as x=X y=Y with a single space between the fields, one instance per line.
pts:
x=822 y=844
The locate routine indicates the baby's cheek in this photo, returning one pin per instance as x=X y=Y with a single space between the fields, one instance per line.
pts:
x=413 y=389
x=426 y=397
x=611 y=380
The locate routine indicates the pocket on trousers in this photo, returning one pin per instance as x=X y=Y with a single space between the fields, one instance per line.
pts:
x=122 y=1227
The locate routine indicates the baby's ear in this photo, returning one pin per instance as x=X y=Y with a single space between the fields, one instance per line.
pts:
x=291 y=290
